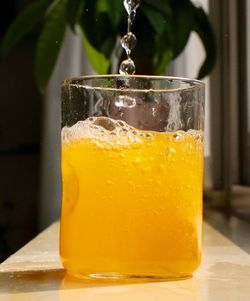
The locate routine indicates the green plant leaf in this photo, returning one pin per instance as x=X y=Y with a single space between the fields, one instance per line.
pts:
x=49 y=43
x=145 y=34
x=161 y=61
x=116 y=11
x=101 y=6
x=163 y=50
x=97 y=59
x=204 y=30
x=73 y=12
x=101 y=34
x=156 y=18
x=161 y=6
x=182 y=26
x=24 y=23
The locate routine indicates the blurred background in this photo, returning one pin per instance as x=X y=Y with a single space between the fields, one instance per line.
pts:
x=30 y=187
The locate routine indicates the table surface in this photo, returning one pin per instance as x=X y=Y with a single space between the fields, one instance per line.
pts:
x=35 y=273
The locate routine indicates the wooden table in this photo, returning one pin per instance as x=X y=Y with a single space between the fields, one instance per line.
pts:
x=35 y=273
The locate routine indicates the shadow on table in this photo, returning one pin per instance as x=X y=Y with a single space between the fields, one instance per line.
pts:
x=30 y=281
x=52 y=280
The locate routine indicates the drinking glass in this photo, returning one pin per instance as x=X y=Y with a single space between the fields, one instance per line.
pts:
x=132 y=174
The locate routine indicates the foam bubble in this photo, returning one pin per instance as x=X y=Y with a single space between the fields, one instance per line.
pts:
x=178 y=136
x=198 y=135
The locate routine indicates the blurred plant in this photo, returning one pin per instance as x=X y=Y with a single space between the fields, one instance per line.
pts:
x=162 y=27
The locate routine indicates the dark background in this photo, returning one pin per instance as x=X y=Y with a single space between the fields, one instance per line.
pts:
x=20 y=132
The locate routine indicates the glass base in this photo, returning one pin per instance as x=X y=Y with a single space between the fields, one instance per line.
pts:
x=117 y=277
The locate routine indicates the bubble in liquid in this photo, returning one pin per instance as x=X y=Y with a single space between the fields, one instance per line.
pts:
x=178 y=136
x=109 y=182
x=131 y=5
x=128 y=42
x=125 y=101
x=171 y=150
x=127 y=67
x=136 y=161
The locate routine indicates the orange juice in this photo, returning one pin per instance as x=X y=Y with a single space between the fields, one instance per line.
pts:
x=132 y=201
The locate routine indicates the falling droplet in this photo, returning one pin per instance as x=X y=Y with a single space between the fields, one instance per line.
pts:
x=127 y=67
x=128 y=42
x=131 y=5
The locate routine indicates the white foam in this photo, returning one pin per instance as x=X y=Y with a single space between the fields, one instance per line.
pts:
x=102 y=129
x=114 y=133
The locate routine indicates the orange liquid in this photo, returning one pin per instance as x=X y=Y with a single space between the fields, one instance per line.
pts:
x=132 y=209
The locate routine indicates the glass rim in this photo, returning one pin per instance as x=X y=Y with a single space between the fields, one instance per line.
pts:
x=194 y=83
